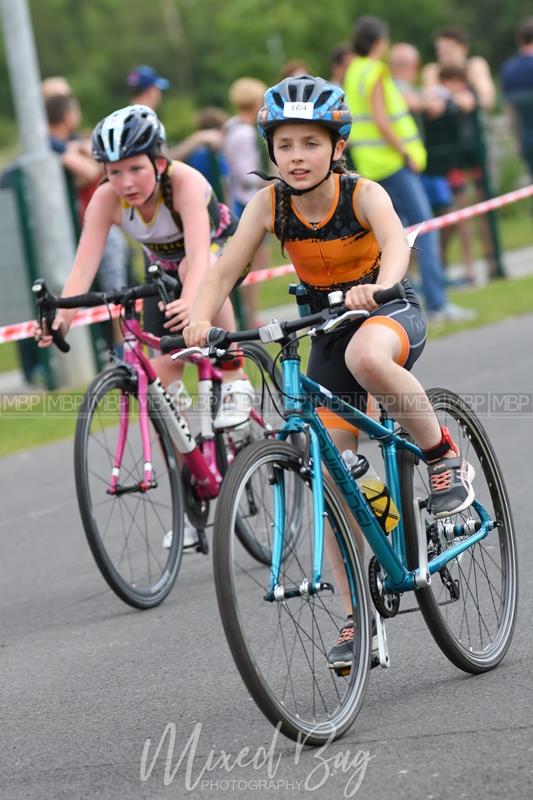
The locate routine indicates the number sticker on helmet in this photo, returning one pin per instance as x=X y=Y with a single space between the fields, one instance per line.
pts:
x=298 y=110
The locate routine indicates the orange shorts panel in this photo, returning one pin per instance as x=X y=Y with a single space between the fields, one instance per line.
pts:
x=399 y=331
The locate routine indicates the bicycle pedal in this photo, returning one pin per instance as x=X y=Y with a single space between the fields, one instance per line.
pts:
x=202 y=546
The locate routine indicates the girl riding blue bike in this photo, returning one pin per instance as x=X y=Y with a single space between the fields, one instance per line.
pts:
x=341 y=233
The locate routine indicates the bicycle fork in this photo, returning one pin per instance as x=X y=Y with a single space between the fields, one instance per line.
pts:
x=309 y=586
x=154 y=395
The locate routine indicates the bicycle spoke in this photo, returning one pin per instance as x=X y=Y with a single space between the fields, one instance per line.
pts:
x=126 y=530
x=473 y=629
x=287 y=642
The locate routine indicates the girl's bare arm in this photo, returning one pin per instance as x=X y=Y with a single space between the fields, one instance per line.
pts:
x=254 y=224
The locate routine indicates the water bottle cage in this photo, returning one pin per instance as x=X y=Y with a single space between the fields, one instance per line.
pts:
x=360 y=468
x=380 y=514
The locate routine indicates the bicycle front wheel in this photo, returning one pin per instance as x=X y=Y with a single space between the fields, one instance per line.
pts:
x=470 y=606
x=281 y=648
x=136 y=535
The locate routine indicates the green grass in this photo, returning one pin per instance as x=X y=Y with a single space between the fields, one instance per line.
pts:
x=36 y=418
x=8 y=356
x=501 y=299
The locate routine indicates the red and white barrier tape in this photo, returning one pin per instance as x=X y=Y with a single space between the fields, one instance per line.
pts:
x=85 y=316
x=23 y=330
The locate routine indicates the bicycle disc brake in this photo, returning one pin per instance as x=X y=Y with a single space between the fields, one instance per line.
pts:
x=386 y=603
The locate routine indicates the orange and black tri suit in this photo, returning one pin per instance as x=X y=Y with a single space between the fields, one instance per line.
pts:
x=338 y=252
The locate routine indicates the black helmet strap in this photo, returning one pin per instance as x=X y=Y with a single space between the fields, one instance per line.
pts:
x=290 y=189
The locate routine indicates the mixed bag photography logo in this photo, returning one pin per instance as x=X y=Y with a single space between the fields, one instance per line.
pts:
x=193 y=764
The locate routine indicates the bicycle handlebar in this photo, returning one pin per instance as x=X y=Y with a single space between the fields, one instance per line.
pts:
x=47 y=303
x=218 y=337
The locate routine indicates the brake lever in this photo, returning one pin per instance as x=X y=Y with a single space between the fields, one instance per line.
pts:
x=162 y=289
x=189 y=351
x=158 y=277
x=331 y=324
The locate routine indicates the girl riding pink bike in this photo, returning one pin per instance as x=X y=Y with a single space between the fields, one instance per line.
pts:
x=173 y=212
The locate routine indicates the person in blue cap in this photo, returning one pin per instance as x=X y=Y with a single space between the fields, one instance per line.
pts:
x=146 y=86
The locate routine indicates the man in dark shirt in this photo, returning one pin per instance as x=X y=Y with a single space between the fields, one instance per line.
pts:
x=517 y=86
x=63 y=114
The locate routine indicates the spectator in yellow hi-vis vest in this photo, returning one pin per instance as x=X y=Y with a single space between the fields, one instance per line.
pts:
x=386 y=147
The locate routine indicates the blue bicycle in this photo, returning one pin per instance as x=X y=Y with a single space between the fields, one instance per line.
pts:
x=282 y=613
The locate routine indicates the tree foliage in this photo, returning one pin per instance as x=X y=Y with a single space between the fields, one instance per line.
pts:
x=203 y=45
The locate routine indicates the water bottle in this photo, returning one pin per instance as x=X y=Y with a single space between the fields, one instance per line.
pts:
x=373 y=489
x=180 y=396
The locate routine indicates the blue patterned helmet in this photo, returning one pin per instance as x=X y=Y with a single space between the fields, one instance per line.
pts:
x=130 y=131
x=305 y=99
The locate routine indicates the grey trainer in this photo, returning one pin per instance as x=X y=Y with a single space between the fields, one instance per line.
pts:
x=450 y=481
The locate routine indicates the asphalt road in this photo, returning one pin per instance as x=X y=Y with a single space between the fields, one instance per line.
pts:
x=85 y=680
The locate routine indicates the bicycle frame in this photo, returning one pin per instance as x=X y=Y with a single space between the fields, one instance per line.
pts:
x=201 y=462
x=301 y=397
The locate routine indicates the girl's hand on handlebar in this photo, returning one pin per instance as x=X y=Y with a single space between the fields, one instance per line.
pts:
x=43 y=337
x=195 y=334
x=178 y=313
x=362 y=296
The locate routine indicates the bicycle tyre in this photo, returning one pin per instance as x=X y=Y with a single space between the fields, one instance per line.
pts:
x=332 y=702
x=133 y=561
x=478 y=646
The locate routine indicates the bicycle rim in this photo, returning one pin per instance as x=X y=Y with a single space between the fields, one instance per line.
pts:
x=470 y=606
x=126 y=531
x=281 y=648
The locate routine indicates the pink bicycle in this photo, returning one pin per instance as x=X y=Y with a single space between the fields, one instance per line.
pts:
x=138 y=465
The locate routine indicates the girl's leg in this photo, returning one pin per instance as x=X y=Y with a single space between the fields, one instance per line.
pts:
x=344 y=440
x=340 y=656
x=372 y=356
x=167 y=370
x=237 y=392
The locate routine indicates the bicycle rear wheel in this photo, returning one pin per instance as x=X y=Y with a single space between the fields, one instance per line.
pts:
x=125 y=531
x=470 y=606
x=281 y=647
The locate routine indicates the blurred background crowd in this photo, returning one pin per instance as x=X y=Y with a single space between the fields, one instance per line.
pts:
x=461 y=96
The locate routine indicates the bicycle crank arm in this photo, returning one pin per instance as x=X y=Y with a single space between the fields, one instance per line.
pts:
x=306 y=589
x=383 y=648
x=136 y=487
